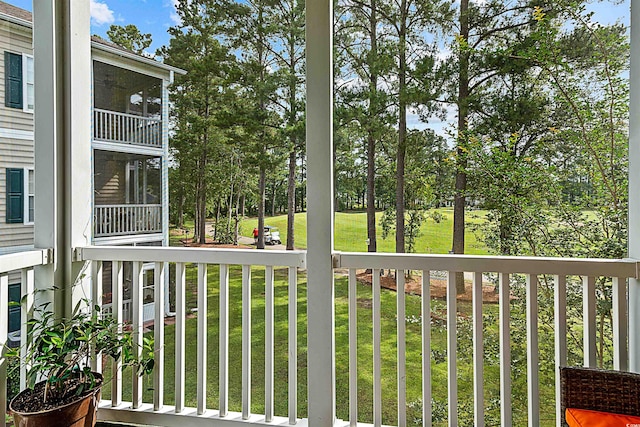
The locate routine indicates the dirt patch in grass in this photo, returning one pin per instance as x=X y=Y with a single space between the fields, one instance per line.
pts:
x=438 y=287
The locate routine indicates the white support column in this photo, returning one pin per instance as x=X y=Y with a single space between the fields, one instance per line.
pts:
x=62 y=53
x=164 y=175
x=634 y=183
x=48 y=135
x=320 y=292
x=77 y=93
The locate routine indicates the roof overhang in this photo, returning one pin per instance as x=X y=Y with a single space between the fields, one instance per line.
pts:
x=132 y=56
x=104 y=48
x=15 y=20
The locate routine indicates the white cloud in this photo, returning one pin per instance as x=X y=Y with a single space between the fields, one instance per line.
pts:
x=173 y=15
x=100 y=13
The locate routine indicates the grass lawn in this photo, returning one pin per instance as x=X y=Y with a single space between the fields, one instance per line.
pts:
x=351 y=232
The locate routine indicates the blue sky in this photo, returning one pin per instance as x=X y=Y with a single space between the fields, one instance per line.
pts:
x=150 y=16
x=156 y=16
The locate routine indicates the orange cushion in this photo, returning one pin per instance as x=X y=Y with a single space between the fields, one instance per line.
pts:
x=586 y=418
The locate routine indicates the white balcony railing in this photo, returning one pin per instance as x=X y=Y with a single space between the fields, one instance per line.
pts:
x=156 y=412
x=556 y=278
x=107 y=309
x=121 y=220
x=19 y=265
x=110 y=126
x=127 y=311
x=535 y=271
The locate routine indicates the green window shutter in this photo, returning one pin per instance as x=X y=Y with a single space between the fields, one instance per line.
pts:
x=12 y=80
x=15 y=196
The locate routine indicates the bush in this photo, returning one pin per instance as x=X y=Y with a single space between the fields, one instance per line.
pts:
x=13 y=378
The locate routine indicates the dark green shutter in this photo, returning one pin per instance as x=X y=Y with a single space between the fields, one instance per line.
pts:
x=13 y=80
x=15 y=196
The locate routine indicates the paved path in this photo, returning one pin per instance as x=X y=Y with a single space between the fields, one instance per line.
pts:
x=249 y=242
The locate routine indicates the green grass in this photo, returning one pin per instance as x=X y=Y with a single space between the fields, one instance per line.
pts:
x=351 y=232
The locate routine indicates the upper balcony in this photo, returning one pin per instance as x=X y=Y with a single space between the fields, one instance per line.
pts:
x=127 y=110
x=127 y=195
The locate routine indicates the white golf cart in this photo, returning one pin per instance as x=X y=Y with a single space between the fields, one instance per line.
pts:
x=271 y=235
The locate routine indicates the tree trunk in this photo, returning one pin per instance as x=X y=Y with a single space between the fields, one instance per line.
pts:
x=402 y=129
x=201 y=202
x=230 y=210
x=506 y=235
x=461 y=158
x=216 y=228
x=261 y=189
x=180 y=210
x=273 y=199
x=291 y=197
x=303 y=176
x=236 y=229
x=371 y=194
x=371 y=142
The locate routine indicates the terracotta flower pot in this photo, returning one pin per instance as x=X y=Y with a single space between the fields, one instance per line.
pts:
x=80 y=413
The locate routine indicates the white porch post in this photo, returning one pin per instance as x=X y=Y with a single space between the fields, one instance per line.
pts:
x=634 y=185
x=164 y=165
x=62 y=59
x=320 y=311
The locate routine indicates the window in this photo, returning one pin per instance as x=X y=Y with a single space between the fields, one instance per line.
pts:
x=28 y=88
x=29 y=195
x=15 y=196
x=19 y=79
x=14 y=309
x=20 y=195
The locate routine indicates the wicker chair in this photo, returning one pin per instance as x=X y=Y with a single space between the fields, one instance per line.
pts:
x=600 y=390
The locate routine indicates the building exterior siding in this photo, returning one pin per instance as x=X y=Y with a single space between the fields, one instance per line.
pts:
x=16 y=39
x=16 y=137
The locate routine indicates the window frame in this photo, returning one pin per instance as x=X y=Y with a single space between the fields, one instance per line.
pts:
x=26 y=83
x=28 y=195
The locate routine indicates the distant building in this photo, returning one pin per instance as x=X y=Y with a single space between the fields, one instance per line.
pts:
x=129 y=150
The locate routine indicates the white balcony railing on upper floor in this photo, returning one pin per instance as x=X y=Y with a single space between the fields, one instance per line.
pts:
x=122 y=220
x=110 y=126
x=478 y=329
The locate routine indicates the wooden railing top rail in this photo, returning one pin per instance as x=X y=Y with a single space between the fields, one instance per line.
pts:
x=192 y=255
x=26 y=259
x=133 y=116
x=470 y=263
x=129 y=205
x=491 y=264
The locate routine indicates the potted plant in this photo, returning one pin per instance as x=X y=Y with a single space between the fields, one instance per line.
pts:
x=61 y=388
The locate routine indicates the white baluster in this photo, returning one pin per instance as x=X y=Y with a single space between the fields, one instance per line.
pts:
x=478 y=352
x=452 y=351
x=180 y=336
x=426 y=348
x=532 y=352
